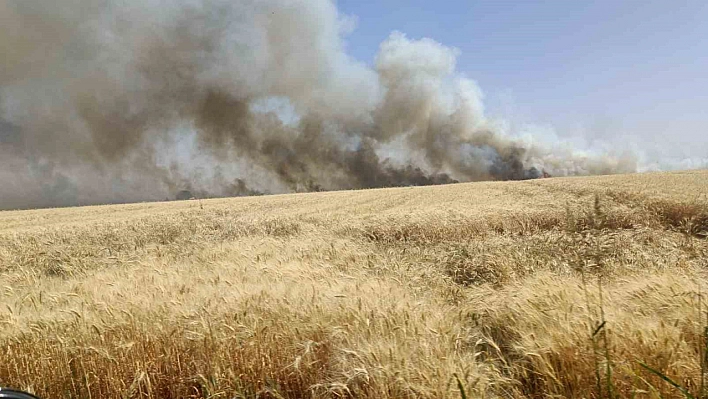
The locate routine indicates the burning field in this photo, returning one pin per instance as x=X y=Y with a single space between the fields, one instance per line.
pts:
x=351 y=280
x=540 y=288
x=104 y=102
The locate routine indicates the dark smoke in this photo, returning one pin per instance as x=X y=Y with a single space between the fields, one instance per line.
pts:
x=106 y=102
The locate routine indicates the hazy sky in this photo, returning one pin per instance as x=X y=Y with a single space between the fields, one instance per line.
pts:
x=617 y=71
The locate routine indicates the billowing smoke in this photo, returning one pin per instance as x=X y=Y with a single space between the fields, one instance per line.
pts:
x=104 y=101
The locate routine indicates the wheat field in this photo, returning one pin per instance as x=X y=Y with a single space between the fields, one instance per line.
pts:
x=550 y=288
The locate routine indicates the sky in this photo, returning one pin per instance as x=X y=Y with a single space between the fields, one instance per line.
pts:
x=621 y=73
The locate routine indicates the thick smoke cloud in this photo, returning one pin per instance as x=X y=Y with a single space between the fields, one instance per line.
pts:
x=105 y=101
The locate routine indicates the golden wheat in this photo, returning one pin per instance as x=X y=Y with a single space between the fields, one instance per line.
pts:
x=380 y=293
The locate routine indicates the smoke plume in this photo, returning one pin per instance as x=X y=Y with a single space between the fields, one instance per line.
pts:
x=104 y=102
